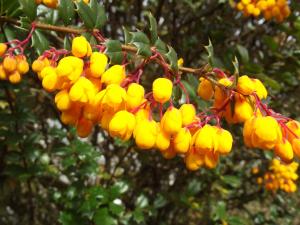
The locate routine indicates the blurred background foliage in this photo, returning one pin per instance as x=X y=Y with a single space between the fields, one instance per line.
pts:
x=50 y=176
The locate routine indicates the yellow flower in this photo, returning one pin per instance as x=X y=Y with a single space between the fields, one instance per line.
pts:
x=162 y=140
x=50 y=78
x=122 y=125
x=51 y=3
x=135 y=95
x=204 y=139
x=14 y=77
x=188 y=113
x=182 y=140
x=223 y=143
x=283 y=149
x=171 y=121
x=62 y=100
x=145 y=134
x=98 y=63
x=114 y=75
x=245 y=85
x=81 y=47
x=114 y=97
x=162 y=90
x=205 y=89
x=9 y=64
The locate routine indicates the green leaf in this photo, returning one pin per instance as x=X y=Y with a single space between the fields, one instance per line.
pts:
x=114 y=51
x=66 y=11
x=67 y=43
x=25 y=23
x=98 y=13
x=86 y=14
x=141 y=41
x=220 y=211
x=116 y=209
x=39 y=42
x=161 y=46
x=29 y=8
x=172 y=57
x=153 y=28
x=234 y=220
x=243 y=52
x=210 y=50
x=138 y=215
x=127 y=36
x=102 y=217
x=233 y=181
x=142 y=201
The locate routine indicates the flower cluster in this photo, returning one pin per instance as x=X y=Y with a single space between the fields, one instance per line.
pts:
x=91 y=93
x=280 y=176
x=277 y=9
x=54 y=3
x=263 y=128
x=12 y=67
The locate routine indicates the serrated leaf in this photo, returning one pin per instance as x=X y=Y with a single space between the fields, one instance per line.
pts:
x=114 y=51
x=153 y=28
x=25 y=23
x=161 y=46
x=243 y=52
x=98 y=13
x=141 y=41
x=210 y=50
x=127 y=36
x=102 y=217
x=66 y=11
x=39 y=42
x=172 y=57
x=86 y=14
x=29 y=8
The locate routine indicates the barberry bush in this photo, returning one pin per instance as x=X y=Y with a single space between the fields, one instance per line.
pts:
x=149 y=112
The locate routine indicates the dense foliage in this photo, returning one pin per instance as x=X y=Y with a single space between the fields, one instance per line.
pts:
x=48 y=175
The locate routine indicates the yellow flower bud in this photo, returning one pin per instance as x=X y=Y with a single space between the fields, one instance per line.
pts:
x=50 y=78
x=171 y=121
x=188 y=113
x=145 y=134
x=162 y=140
x=204 y=139
x=242 y=110
x=205 y=89
x=224 y=141
x=114 y=97
x=283 y=149
x=9 y=64
x=62 y=100
x=260 y=89
x=81 y=47
x=245 y=85
x=114 y=75
x=135 y=95
x=182 y=140
x=98 y=63
x=15 y=77
x=23 y=66
x=122 y=125
x=162 y=89
x=266 y=138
